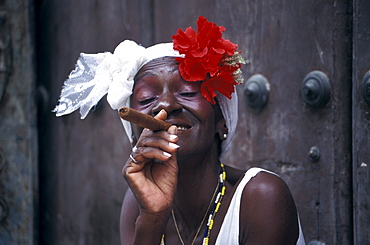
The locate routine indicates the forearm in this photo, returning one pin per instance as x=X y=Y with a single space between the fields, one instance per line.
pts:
x=150 y=228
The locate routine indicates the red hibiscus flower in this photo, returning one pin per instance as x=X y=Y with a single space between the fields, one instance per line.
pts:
x=205 y=52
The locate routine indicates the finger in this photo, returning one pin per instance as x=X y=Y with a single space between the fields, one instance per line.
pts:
x=170 y=135
x=161 y=115
x=146 y=154
x=162 y=140
x=144 y=158
x=172 y=131
x=172 y=162
x=168 y=143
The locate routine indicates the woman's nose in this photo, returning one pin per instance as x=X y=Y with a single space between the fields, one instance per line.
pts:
x=168 y=102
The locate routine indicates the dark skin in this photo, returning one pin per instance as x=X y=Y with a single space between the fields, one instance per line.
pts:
x=179 y=170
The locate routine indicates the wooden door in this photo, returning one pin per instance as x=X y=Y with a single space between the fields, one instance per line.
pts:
x=18 y=129
x=361 y=122
x=81 y=183
x=284 y=41
x=81 y=186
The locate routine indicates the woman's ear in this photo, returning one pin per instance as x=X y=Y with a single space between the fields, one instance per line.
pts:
x=222 y=129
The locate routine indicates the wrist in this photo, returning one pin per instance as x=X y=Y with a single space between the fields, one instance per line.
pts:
x=150 y=227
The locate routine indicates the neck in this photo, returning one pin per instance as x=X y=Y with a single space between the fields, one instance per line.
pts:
x=194 y=168
x=195 y=189
x=197 y=180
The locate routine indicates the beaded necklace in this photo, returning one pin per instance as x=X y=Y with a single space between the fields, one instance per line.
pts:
x=216 y=206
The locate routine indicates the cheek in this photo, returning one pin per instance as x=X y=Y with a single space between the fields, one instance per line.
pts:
x=199 y=104
x=211 y=116
x=205 y=112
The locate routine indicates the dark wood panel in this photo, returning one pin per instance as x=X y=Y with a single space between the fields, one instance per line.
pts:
x=361 y=123
x=285 y=41
x=18 y=130
x=81 y=160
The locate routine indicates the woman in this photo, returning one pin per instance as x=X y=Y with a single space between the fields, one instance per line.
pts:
x=180 y=192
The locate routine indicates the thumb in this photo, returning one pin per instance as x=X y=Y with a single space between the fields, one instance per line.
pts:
x=162 y=115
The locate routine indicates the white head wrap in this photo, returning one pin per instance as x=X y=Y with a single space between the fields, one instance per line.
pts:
x=113 y=74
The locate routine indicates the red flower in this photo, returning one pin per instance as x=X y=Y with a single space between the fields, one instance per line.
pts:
x=204 y=52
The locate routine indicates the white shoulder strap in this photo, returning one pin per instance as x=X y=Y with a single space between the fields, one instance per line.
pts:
x=229 y=232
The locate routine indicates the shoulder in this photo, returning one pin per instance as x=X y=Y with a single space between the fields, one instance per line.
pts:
x=265 y=185
x=268 y=212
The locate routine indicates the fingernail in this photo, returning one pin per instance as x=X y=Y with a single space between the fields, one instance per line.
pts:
x=172 y=130
x=173 y=145
x=167 y=154
x=173 y=137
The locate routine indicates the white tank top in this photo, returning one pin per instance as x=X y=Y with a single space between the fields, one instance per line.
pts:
x=229 y=232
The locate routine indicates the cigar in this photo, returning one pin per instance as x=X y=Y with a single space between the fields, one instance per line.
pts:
x=143 y=120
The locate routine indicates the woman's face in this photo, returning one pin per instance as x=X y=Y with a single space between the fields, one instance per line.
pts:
x=159 y=86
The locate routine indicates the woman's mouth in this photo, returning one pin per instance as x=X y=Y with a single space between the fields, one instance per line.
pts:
x=181 y=124
x=182 y=128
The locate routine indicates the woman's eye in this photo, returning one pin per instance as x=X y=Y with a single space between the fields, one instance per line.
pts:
x=188 y=94
x=146 y=101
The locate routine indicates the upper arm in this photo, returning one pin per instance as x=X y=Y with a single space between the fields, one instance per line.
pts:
x=268 y=213
x=129 y=214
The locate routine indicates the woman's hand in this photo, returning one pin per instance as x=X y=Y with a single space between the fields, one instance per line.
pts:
x=151 y=171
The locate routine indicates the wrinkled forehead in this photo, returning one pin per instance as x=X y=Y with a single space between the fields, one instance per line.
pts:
x=168 y=64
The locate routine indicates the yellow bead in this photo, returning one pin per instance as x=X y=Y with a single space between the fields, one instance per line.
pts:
x=206 y=240
x=211 y=224
x=217 y=207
